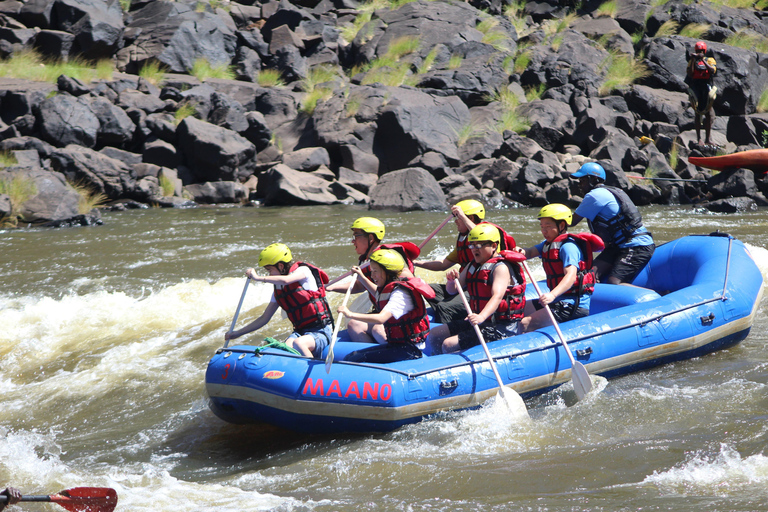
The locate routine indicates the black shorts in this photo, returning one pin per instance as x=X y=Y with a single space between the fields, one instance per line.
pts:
x=625 y=263
x=563 y=311
x=699 y=90
x=491 y=332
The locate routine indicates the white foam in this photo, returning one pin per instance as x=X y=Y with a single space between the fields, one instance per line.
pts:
x=726 y=473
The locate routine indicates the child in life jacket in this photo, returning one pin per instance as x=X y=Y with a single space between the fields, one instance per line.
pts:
x=567 y=261
x=467 y=214
x=300 y=291
x=400 y=309
x=367 y=237
x=495 y=286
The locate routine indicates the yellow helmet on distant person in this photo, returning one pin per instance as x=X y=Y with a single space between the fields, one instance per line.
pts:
x=484 y=233
x=389 y=259
x=371 y=226
x=472 y=207
x=557 y=212
x=274 y=254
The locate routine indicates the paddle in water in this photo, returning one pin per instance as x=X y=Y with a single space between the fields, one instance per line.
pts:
x=79 y=499
x=582 y=383
x=329 y=357
x=510 y=397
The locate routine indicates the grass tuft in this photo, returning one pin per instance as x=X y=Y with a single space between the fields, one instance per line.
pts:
x=202 y=69
x=153 y=72
x=19 y=189
x=89 y=199
x=749 y=40
x=30 y=65
x=184 y=110
x=762 y=103
x=622 y=71
x=695 y=30
x=668 y=28
x=270 y=78
x=609 y=9
x=7 y=159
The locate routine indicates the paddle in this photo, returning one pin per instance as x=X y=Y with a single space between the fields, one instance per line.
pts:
x=239 y=305
x=421 y=245
x=79 y=499
x=582 y=384
x=436 y=231
x=329 y=357
x=519 y=406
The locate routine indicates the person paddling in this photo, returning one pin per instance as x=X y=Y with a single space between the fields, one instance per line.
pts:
x=467 y=214
x=613 y=217
x=400 y=310
x=300 y=291
x=367 y=237
x=567 y=261
x=496 y=288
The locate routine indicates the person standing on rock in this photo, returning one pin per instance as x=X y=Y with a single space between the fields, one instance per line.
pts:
x=300 y=291
x=613 y=216
x=467 y=214
x=702 y=92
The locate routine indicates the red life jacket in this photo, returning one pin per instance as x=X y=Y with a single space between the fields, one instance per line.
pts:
x=699 y=70
x=305 y=309
x=412 y=327
x=585 y=275
x=464 y=253
x=480 y=286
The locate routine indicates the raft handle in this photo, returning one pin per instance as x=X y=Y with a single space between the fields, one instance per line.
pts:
x=583 y=352
x=707 y=320
x=448 y=387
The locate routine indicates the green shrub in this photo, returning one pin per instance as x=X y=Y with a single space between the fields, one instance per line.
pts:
x=19 y=189
x=166 y=185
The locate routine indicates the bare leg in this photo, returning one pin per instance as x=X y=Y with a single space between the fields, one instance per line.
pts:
x=537 y=320
x=436 y=337
x=451 y=344
x=358 y=331
x=707 y=127
x=304 y=344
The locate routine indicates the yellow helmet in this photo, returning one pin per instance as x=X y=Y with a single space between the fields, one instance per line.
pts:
x=556 y=211
x=370 y=225
x=389 y=259
x=274 y=254
x=484 y=233
x=472 y=207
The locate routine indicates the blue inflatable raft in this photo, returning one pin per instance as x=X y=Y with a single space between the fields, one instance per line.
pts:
x=699 y=294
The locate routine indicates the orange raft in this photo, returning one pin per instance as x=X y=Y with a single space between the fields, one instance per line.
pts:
x=754 y=159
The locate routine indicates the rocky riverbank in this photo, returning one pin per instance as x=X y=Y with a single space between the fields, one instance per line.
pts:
x=408 y=106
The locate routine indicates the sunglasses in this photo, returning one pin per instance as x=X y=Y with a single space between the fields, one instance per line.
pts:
x=480 y=245
x=362 y=235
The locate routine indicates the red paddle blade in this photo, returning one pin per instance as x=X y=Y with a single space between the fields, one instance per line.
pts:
x=87 y=499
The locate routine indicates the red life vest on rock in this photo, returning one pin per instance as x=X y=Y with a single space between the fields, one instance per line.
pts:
x=305 y=309
x=464 y=253
x=412 y=327
x=480 y=286
x=585 y=275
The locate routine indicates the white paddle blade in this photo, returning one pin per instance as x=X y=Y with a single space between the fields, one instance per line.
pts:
x=582 y=384
x=514 y=403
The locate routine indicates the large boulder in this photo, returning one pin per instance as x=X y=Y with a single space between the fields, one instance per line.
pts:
x=176 y=35
x=407 y=190
x=98 y=172
x=65 y=119
x=281 y=186
x=53 y=199
x=115 y=127
x=217 y=192
x=414 y=123
x=96 y=24
x=214 y=153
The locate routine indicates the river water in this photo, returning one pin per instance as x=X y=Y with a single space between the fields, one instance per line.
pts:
x=105 y=333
